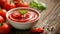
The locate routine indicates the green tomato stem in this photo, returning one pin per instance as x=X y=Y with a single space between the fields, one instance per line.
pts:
x=1 y=24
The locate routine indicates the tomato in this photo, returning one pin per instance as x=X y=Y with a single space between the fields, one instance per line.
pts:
x=9 y=6
x=4 y=28
x=38 y=30
x=21 y=4
x=16 y=1
x=1 y=19
x=2 y=2
x=16 y=15
x=3 y=13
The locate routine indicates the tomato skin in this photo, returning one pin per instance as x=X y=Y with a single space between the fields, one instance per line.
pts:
x=9 y=6
x=3 y=13
x=1 y=19
x=5 y=28
x=38 y=30
x=20 y=4
x=2 y=2
x=16 y=1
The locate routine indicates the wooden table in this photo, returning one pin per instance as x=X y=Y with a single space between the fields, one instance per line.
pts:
x=50 y=16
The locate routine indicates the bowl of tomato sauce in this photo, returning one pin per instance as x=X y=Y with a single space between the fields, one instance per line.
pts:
x=23 y=17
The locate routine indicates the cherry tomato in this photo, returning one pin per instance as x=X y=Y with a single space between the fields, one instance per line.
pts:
x=1 y=19
x=21 y=4
x=4 y=28
x=38 y=30
x=3 y=13
x=9 y=6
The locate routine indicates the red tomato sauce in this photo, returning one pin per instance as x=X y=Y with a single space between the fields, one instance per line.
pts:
x=28 y=17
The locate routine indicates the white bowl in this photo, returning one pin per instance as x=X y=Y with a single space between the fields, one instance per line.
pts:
x=19 y=25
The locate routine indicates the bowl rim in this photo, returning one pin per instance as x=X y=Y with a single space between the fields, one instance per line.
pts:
x=23 y=8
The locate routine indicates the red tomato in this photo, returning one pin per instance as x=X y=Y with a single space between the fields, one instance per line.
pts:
x=16 y=1
x=4 y=28
x=3 y=13
x=38 y=30
x=1 y=19
x=9 y=6
x=2 y=2
x=21 y=4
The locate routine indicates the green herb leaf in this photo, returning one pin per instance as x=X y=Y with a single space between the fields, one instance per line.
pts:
x=33 y=3
x=23 y=11
x=37 y=5
x=41 y=6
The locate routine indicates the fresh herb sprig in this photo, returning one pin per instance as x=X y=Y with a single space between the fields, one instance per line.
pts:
x=23 y=11
x=37 y=5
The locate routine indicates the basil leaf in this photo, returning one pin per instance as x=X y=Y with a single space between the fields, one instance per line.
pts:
x=37 y=5
x=23 y=11
x=41 y=6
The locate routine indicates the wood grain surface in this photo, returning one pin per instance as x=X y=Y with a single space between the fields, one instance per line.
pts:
x=50 y=15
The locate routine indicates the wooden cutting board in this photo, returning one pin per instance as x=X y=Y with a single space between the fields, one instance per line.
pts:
x=47 y=17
